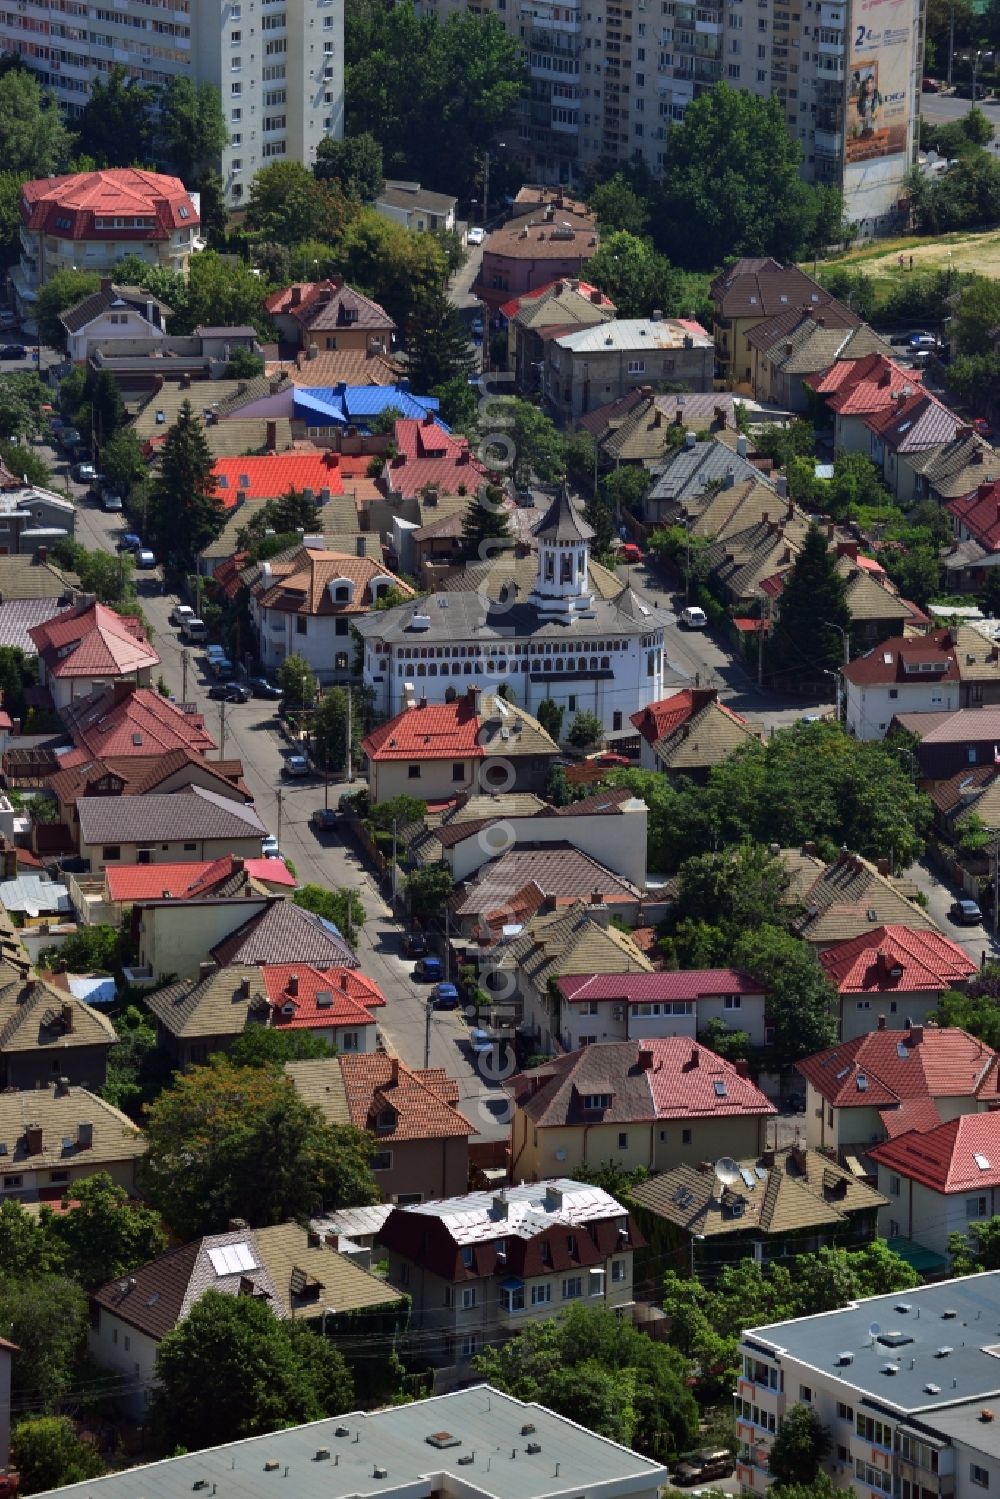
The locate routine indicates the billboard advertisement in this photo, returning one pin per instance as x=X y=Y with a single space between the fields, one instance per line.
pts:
x=880 y=62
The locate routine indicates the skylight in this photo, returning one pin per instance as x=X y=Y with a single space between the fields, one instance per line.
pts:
x=981 y=1161
x=720 y=1088
x=232 y=1259
x=862 y=1083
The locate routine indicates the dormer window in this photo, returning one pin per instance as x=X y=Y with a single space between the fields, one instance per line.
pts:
x=385 y=1120
x=341 y=590
x=593 y=1102
x=546 y=1252
x=468 y=1257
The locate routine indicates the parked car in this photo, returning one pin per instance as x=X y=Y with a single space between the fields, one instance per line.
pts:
x=693 y=618
x=83 y=473
x=219 y=692
x=700 y=1467
x=414 y=945
x=324 y=819
x=429 y=970
x=68 y=439
x=481 y=1041
x=237 y=693
x=13 y=351
x=476 y=235
x=145 y=558
x=221 y=667
x=194 y=629
x=922 y=340
x=261 y=687
x=630 y=552
x=295 y=766
x=181 y=613
x=445 y=997
x=610 y=759
x=129 y=542
x=269 y=847
x=111 y=503
x=931 y=86
x=214 y=652
x=965 y=912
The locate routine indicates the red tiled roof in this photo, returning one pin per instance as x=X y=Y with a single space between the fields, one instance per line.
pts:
x=912 y=423
x=668 y=1078
x=270 y=872
x=327 y=304
x=512 y=308
x=859 y=387
x=896 y=960
x=93 y=642
x=421 y=1101
x=227 y=574
x=352 y=996
x=137 y=882
x=123 y=720
x=633 y=988
x=882 y=1068
x=888 y=661
x=427 y=454
x=83 y=197
x=434 y=731
x=979 y=514
x=960 y=1156
x=268 y=476
x=912 y=1113
x=663 y=717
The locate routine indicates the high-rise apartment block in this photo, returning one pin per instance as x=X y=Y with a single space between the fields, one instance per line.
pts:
x=278 y=64
x=609 y=77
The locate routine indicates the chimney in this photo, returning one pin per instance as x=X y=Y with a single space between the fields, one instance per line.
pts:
x=296 y=296
x=423 y=700
x=359 y=545
x=85 y=1135
x=646 y=1058
x=313 y=1239
x=333 y=1240
x=595 y=296
x=596 y=898
x=106 y=284
x=271 y=435
x=62 y=1087
x=205 y=969
x=741 y=445
x=882 y=865
x=798 y=1155
x=475 y=697
x=343 y=979
x=244 y=988
x=695 y=1057
x=559 y=288
x=68 y=1015
x=394 y=1070
x=781 y=486
x=916 y=1034
x=962 y=432
x=293 y=983
x=881 y=1022
x=830 y=528
x=33 y=1139
x=689 y=438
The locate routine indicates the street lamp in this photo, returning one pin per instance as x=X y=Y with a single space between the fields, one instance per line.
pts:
x=845 y=637
x=836 y=678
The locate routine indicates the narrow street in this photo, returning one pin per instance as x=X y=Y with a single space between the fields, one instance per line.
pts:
x=251 y=733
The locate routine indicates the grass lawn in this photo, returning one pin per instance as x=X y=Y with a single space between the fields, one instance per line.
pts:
x=978 y=251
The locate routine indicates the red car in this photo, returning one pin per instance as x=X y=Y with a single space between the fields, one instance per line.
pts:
x=931 y=86
x=631 y=553
x=611 y=761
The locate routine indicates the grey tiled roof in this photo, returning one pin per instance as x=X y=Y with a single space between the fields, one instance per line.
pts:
x=285 y=933
x=470 y=616
x=18 y=616
x=688 y=469
x=190 y=814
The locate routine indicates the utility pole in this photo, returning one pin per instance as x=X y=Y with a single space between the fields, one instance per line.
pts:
x=951 y=46
x=280 y=795
x=350 y=768
x=447 y=943
x=222 y=730
x=184 y=674
x=486 y=171
x=394 y=861
x=427 y=1035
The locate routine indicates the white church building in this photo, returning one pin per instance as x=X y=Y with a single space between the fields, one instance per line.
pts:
x=604 y=656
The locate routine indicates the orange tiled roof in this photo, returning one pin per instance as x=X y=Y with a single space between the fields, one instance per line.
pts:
x=421 y=1103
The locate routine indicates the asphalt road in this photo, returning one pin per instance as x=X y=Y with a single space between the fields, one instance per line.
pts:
x=251 y=734
x=939 y=109
x=974 y=940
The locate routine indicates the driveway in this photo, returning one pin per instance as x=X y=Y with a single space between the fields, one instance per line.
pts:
x=977 y=941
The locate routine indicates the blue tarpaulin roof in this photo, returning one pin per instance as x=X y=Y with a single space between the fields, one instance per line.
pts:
x=340 y=405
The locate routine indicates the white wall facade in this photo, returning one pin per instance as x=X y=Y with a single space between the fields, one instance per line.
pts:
x=118 y=322
x=918 y=1212
x=114 y=1345
x=871 y=708
x=858 y=1016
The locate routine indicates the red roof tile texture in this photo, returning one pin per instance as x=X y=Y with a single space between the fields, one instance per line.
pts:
x=896 y=960
x=162 y=204
x=960 y=1156
x=435 y=731
x=136 y=882
x=396 y=1102
x=268 y=476
x=978 y=514
x=898 y=659
x=860 y=387
x=93 y=642
x=307 y=998
x=124 y=720
x=635 y=988
x=882 y=1068
x=427 y=454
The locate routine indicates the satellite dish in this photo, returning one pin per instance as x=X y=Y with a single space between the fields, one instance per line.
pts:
x=727 y=1170
x=874 y=1330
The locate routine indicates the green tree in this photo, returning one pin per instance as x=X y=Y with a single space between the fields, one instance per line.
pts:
x=114 y=125
x=262 y=1377
x=191 y=132
x=17 y=671
x=585 y=730
x=33 y=140
x=122 y=461
x=27 y=1246
x=46 y=1316
x=403 y=810
x=239 y=1142
x=800 y=1446
x=486 y=525
x=459 y=405
x=262 y=1046
x=619 y=208
x=26 y=462
x=538 y=446
x=341 y=906
x=244 y=364
x=97 y=947
x=398 y=267
x=107 y=409
x=438 y=344
x=63 y=289
x=802 y=1003
x=137 y=1067
x=48 y=1454
x=355 y=162
x=733 y=180
x=974 y=377
x=10 y=216
x=220 y=293
x=297 y=681
x=550 y=715
x=978 y=314
x=916 y=571
x=21 y=400
x=288 y=205
x=427 y=889
x=185 y=513
x=739 y=889
x=106 y=1235
x=635 y=276
x=620 y=1368
x=110 y=578
x=806 y=641
x=329 y=730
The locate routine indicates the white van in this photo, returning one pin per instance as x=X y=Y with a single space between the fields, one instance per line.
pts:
x=693 y=618
x=194 y=629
